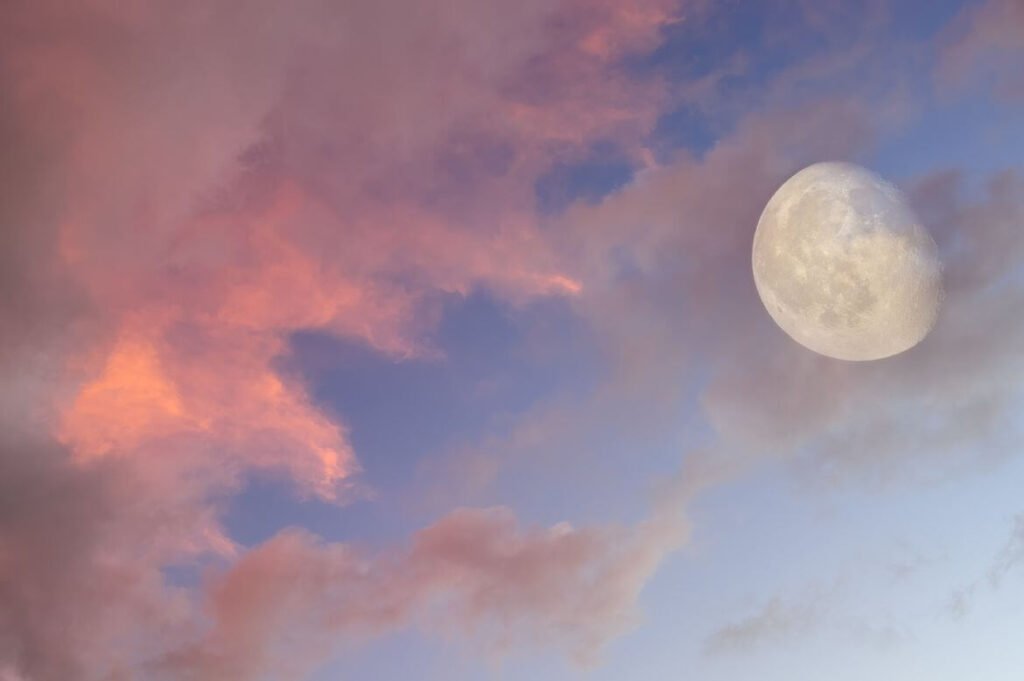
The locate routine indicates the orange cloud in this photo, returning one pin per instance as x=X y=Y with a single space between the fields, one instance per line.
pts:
x=130 y=401
x=196 y=360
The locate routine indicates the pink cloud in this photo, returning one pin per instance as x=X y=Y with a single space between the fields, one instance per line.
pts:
x=285 y=605
x=191 y=183
x=243 y=277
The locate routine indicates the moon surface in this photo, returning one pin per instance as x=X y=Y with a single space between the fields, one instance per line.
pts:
x=843 y=265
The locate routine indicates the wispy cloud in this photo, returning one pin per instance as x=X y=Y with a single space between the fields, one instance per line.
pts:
x=986 y=43
x=1009 y=559
x=775 y=622
x=1011 y=556
x=794 y=622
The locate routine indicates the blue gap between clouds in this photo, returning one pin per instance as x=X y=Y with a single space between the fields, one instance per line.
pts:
x=742 y=42
x=749 y=44
x=685 y=127
x=497 y=362
x=765 y=38
x=978 y=136
x=603 y=169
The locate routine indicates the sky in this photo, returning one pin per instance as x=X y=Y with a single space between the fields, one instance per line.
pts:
x=385 y=339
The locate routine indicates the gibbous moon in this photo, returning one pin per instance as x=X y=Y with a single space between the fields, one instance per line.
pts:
x=843 y=265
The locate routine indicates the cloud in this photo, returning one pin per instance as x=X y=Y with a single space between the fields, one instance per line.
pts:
x=986 y=42
x=774 y=622
x=1006 y=561
x=476 y=573
x=1011 y=556
x=782 y=622
x=186 y=185
x=81 y=552
x=211 y=208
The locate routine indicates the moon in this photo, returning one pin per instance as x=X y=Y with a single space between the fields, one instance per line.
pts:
x=844 y=266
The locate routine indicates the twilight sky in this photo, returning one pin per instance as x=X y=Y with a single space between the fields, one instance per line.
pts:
x=397 y=339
